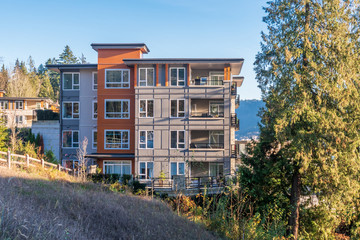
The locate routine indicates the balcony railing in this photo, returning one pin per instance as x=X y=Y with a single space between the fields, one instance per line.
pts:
x=235 y=121
x=206 y=115
x=207 y=145
x=233 y=90
x=237 y=101
x=189 y=183
x=235 y=151
x=207 y=82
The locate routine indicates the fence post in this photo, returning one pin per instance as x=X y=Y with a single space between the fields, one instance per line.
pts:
x=59 y=167
x=9 y=159
x=42 y=163
x=27 y=160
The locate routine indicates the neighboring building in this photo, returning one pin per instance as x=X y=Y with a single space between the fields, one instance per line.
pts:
x=145 y=116
x=20 y=111
x=50 y=131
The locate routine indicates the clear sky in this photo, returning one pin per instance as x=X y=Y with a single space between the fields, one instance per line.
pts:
x=170 y=28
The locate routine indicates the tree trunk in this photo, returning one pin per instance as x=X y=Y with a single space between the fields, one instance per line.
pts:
x=293 y=224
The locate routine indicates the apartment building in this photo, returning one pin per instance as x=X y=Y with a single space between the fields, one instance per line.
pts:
x=151 y=117
x=20 y=111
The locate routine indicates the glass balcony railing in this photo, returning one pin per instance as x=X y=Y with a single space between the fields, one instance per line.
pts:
x=207 y=145
x=207 y=82
x=206 y=115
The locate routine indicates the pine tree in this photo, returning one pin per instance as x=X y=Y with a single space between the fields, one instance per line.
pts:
x=308 y=71
x=83 y=59
x=54 y=79
x=67 y=56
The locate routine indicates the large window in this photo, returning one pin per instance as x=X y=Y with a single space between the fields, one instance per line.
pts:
x=216 y=78
x=117 y=109
x=117 y=167
x=177 y=76
x=70 y=139
x=71 y=81
x=95 y=80
x=20 y=119
x=19 y=105
x=216 y=139
x=146 y=139
x=146 y=76
x=177 y=168
x=216 y=169
x=94 y=139
x=217 y=108
x=117 y=78
x=178 y=139
x=146 y=108
x=117 y=139
x=178 y=108
x=146 y=170
x=71 y=110
x=94 y=110
x=4 y=105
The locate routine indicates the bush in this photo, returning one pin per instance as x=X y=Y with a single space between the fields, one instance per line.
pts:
x=105 y=178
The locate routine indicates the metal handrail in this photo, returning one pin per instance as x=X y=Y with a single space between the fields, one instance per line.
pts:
x=190 y=182
x=207 y=145
x=207 y=82
x=205 y=115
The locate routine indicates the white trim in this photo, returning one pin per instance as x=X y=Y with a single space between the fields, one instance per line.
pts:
x=146 y=80
x=93 y=78
x=72 y=110
x=177 y=76
x=121 y=143
x=177 y=108
x=146 y=139
x=92 y=112
x=93 y=140
x=121 y=82
x=177 y=139
x=177 y=168
x=72 y=138
x=120 y=162
x=22 y=105
x=146 y=167
x=121 y=113
x=72 y=81
x=146 y=108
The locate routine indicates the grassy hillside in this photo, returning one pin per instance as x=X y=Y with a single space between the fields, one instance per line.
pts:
x=247 y=113
x=35 y=204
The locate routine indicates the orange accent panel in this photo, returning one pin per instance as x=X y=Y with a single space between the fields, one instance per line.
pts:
x=188 y=74
x=157 y=75
x=166 y=75
x=42 y=104
x=135 y=75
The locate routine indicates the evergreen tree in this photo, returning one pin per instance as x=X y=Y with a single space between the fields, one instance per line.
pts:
x=83 y=59
x=46 y=90
x=308 y=71
x=4 y=77
x=67 y=56
x=54 y=79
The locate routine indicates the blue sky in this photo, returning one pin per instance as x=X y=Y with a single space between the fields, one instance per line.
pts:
x=170 y=28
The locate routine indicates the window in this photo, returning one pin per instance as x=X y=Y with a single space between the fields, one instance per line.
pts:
x=146 y=170
x=70 y=139
x=177 y=76
x=146 y=108
x=177 y=139
x=4 y=105
x=216 y=78
x=71 y=110
x=117 y=139
x=146 y=76
x=146 y=139
x=71 y=81
x=178 y=108
x=94 y=139
x=177 y=168
x=38 y=105
x=117 y=109
x=94 y=110
x=19 y=105
x=217 y=108
x=94 y=80
x=117 y=167
x=117 y=78
x=216 y=139
x=216 y=169
x=19 y=119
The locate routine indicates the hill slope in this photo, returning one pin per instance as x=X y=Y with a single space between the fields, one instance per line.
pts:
x=35 y=207
x=247 y=113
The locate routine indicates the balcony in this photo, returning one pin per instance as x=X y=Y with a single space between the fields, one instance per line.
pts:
x=235 y=153
x=202 y=139
x=207 y=77
x=233 y=90
x=235 y=121
x=237 y=101
x=205 y=108
x=204 y=81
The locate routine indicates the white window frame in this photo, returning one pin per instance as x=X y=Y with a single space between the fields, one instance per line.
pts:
x=177 y=168
x=146 y=108
x=121 y=143
x=146 y=139
x=21 y=103
x=17 y=119
x=72 y=110
x=146 y=75
x=93 y=81
x=146 y=174
x=72 y=138
x=3 y=104
x=93 y=139
x=122 y=80
x=177 y=76
x=72 y=81
x=93 y=110
x=122 y=112
x=177 y=108
x=177 y=139
x=121 y=163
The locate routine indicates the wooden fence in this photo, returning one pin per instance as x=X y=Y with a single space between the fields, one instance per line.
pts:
x=12 y=159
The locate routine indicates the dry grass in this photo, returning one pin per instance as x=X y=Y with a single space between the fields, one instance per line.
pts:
x=38 y=204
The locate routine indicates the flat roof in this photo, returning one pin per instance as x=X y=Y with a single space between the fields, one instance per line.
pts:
x=184 y=60
x=141 y=46
x=58 y=67
x=24 y=98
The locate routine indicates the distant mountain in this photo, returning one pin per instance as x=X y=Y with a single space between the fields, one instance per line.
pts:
x=247 y=113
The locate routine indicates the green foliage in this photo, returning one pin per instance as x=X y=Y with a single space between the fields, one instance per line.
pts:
x=67 y=56
x=50 y=157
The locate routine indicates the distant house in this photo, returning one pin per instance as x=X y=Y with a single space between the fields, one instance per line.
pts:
x=20 y=111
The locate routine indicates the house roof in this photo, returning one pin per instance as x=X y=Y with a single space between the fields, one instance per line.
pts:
x=58 y=67
x=141 y=46
x=24 y=98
